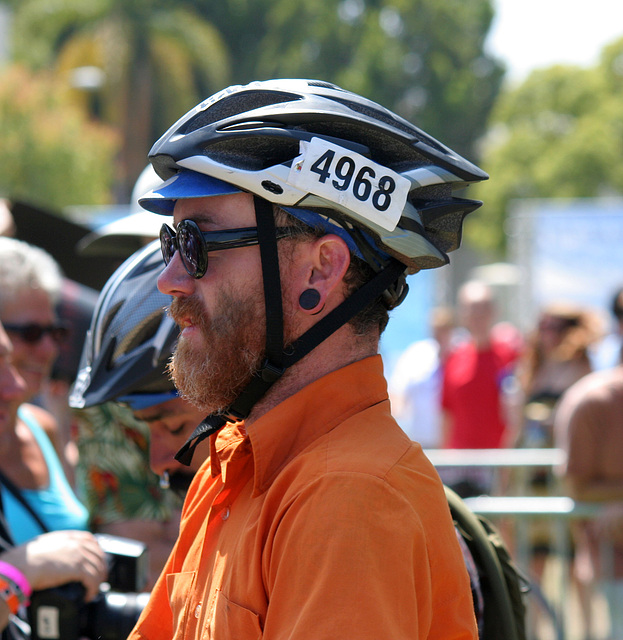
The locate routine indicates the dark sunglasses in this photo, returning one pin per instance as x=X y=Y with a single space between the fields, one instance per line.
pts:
x=33 y=333
x=194 y=244
x=558 y=325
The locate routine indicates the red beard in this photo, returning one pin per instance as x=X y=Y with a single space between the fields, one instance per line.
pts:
x=212 y=372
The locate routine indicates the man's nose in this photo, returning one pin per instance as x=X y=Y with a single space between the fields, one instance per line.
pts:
x=12 y=385
x=174 y=279
x=161 y=456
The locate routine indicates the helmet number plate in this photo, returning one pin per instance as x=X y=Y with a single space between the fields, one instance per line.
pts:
x=351 y=181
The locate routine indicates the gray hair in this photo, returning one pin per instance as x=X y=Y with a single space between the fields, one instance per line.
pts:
x=24 y=266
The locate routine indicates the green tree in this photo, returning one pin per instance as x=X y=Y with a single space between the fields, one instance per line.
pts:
x=423 y=58
x=558 y=134
x=41 y=161
x=157 y=59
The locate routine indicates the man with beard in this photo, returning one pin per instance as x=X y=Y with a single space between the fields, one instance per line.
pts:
x=124 y=361
x=315 y=516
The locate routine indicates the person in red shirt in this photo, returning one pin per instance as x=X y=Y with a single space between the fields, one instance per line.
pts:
x=475 y=415
x=298 y=209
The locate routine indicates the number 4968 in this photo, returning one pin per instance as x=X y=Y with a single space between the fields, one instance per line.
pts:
x=342 y=177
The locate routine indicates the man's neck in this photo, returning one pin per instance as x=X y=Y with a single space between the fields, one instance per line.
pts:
x=482 y=341
x=339 y=350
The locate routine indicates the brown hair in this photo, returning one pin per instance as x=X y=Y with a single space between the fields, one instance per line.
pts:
x=578 y=328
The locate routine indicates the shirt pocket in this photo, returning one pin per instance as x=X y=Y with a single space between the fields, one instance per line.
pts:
x=181 y=589
x=231 y=620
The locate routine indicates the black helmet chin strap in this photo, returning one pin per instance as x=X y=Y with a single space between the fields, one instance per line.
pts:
x=272 y=368
x=277 y=360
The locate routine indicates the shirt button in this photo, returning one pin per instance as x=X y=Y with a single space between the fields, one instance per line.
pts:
x=225 y=513
x=197 y=611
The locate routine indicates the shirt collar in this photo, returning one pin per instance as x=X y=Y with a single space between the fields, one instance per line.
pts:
x=227 y=445
x=282 y=433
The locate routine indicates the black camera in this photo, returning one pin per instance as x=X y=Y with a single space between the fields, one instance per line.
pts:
x=62 y=614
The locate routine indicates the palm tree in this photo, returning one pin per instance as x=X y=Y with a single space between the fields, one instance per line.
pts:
x=157 y=58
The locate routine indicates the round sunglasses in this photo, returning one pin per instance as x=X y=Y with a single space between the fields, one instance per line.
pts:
x=33 y=333
x=194 y=244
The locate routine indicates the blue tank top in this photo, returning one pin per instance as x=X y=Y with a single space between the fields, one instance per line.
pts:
x=56 y=504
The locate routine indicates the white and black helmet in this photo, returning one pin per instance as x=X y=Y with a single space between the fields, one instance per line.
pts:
x=130 y=339
x=337 y=162
x=265 y=137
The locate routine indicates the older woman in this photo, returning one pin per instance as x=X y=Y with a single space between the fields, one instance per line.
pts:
x=35 y=492
x=49 y=559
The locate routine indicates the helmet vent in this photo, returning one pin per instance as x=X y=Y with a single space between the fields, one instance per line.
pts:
x=139 y=335
x=235 y=105
x=252 y=152
x=377 y=114
x=324 y=85
x=110 y=316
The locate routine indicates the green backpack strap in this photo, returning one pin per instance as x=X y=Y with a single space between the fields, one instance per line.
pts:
x=503 y=586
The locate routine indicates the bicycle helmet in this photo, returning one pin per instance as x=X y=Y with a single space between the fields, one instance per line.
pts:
x=334 y=160
x=253 y=137
x=130 y=339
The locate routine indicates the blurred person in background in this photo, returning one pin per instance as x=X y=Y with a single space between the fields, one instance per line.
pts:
x=129 y=415
x=608 y=352
x=74 y=309
x=118 y=240
x=36 y=493
x=588 y=426
x=30 y=287
x=476 y=378
x=415 y=384
x=556 y=356
x=46 y=560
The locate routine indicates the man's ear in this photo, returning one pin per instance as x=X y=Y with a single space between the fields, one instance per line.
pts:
x=328 y=260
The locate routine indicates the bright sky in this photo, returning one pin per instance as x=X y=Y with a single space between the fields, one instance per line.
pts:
x=530 y=34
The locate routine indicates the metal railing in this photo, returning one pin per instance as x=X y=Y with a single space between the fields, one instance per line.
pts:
x=558 y=511
x=507 y=458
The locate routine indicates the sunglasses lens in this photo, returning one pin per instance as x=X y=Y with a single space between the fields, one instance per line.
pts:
x=188 y=248
x=167 y=243
x=32 y=333
x=191 y=245
x=192 y=249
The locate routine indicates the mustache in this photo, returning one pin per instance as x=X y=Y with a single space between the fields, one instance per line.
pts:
x=189 y=308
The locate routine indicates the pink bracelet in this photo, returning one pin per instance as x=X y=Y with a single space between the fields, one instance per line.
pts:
x=15 y=575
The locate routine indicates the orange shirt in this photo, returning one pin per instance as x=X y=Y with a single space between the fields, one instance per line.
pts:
x=324 y=521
